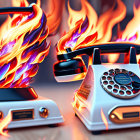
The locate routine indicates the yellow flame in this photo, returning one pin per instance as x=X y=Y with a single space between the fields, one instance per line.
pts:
x=54 y=16
x=104 y=119
x=133 y=27
x=5 y=123
x=98 y=30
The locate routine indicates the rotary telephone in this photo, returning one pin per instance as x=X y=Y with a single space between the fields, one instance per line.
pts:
x=120 y=83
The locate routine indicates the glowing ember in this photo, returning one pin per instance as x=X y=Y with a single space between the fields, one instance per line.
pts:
x=104 y=119
x=23 y=45
x=86 y=29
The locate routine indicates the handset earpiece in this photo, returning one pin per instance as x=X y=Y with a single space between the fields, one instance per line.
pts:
x=70 y=69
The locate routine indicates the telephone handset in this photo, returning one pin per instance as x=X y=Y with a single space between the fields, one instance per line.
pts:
x=121 y=83
x=69 y=64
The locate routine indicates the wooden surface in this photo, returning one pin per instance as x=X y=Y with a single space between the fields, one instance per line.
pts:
x=72 y=128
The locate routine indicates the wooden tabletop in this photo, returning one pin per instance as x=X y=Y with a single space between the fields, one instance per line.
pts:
x=72 y=128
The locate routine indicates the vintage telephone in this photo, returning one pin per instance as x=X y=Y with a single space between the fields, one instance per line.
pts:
x=108 y=97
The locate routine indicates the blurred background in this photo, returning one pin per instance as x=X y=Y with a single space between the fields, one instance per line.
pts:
x=45 y=74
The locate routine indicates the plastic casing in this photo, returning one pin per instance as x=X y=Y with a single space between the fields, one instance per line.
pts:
x=54 y=116
x=99 y=99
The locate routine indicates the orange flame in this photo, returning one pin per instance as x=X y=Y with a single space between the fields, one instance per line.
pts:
x=77 y=102
x=132 y=31
x=86 y=29
x=4 y=123
x=133 y=28
x=23 y=46
x=104 y=119
x=55 y=14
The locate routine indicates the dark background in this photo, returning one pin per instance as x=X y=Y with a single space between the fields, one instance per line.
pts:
x=45 y=73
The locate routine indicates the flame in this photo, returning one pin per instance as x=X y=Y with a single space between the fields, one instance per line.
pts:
x=5 y=123
x=77 y=102
x=104 y=119
x=86 y=29
x=55 y=14
x=22 y=46
x=131 y=33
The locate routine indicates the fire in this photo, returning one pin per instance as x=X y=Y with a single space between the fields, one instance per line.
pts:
x=86 y=29
x=4 y=123
x=54 y=15
x=23 y=45
x=132 y=31
x=77 y=102
x=104 y=119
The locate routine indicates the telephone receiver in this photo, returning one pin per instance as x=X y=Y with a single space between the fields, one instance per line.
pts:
x=71 y=67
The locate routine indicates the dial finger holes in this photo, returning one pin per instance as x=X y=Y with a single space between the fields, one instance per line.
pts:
x=129 y=87
x=103 y=78
x=106 y=73
x=116 y=86
x=121 y=92
x=109 y=87
x=123 y=88
x=105 y=82
x=115 y=90
x=117 y=71
x=118 y=83
x=109 y=78
x=124 y=71
x=111 y=82
x=128 y=92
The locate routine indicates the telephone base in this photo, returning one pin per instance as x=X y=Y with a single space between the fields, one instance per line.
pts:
x=23 y=108
x=101 y=109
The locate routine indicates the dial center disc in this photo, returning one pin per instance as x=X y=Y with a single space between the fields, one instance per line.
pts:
x=122 y=78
